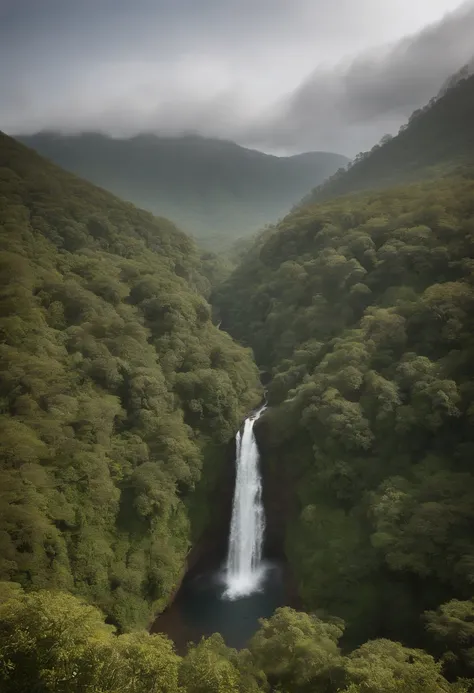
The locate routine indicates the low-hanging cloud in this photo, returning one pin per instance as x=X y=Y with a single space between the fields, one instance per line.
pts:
x=228 y=67
x=357 y=102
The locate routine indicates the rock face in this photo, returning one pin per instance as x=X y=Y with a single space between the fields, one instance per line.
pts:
x=207 y=555
x=278 y=492
x=209 y=551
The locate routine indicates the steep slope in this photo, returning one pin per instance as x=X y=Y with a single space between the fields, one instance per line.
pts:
x=437 y=139
x=212 y=189
x=115 y=387
x=361 y=309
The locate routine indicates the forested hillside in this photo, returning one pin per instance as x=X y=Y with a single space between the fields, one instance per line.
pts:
x=115 y=386
x=213 y=189
x=361 y=309
x=116 y=389
x=437 y=138
x=53 y=642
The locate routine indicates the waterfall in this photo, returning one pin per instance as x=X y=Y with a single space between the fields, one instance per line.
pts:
x=244 y=569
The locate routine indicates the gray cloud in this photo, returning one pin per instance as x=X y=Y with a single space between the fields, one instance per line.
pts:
x=359 y=101
x=228 y=68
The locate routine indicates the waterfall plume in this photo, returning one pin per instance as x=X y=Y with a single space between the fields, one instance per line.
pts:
x=244 y=568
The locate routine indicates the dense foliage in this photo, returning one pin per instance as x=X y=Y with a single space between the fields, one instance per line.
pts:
x=114 y=387
x=54 y=643
x=213 y=189
x=362 y=311
x=437 y=138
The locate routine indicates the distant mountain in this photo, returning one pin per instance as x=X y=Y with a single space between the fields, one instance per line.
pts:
x=437 y=138
x=213 y=189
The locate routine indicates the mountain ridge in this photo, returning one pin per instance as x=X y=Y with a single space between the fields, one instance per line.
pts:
x=213 y=189
x=437 y=138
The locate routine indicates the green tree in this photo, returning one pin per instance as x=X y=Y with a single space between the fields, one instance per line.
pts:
x=452 y=626
x=207 y=668
x=297 y=651
x=382 y=666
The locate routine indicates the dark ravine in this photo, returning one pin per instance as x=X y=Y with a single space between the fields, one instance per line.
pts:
x=278 y=492
x=206 y=554
x=207 y=557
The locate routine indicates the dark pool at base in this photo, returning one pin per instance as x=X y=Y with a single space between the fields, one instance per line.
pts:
x=200 y=609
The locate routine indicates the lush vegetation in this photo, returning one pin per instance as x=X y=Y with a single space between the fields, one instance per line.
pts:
x=213 y=189
x=362 y=311
x=115 y=387
x=54 y=643
x=437 y=138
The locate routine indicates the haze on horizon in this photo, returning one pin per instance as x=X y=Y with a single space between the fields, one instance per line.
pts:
x=277 y=76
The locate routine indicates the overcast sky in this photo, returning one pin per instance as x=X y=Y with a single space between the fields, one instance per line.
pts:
x=279 y=75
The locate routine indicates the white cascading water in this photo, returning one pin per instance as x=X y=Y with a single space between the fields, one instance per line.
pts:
x=244 y=570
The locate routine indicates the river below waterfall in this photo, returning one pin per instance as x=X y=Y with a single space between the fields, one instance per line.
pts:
x=201 y=608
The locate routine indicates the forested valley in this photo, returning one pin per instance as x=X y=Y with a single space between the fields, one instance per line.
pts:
x=211 y=188
x=119 y=395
